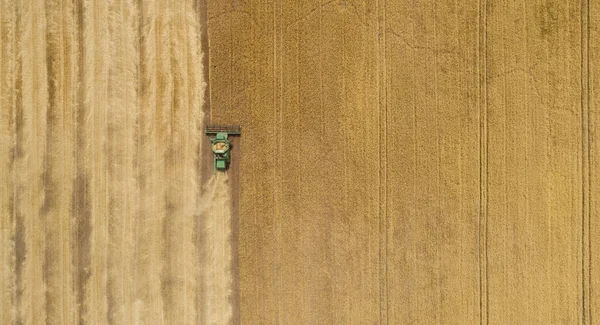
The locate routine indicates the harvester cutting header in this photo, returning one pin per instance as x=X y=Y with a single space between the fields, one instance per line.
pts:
x=220 y=143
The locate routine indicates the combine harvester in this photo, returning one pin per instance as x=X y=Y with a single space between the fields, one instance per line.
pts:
x=220 y=143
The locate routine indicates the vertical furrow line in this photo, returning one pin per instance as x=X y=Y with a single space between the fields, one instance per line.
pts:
x=119 y=85
x=385 y=164
x=277 y=111
x=200 y=97
x=99 y=106
x=275 y=188
x=148 y=308
x=131 y=191
x=438 y=158
x=164 y=155
x=585 y=161
x=19 y=160
x=148 y=303
x=178 y=202
x=172 y=164
x=182 y=143
x=70 y=93
x=35 y=102
x=21 y=176
x=114 y=157
x=52 y=172
x=135 y=163
x=7 y=225
x=105 y=160
x=383 y=213
x=4 y=221
x=78 y=179
x=589 y=155
x=8 y=26
x=83 y=186
x=483 y=160
x=193 y=91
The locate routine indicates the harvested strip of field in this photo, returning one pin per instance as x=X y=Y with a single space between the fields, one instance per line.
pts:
x=216 y=213
x=100 y=167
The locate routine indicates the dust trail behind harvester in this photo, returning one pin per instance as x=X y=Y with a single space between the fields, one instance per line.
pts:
x=216 y=213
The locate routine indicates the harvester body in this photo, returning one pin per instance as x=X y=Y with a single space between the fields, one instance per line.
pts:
x=221 y=145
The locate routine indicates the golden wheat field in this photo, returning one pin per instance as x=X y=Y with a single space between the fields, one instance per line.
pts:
x=416 y=162
x=401 y=162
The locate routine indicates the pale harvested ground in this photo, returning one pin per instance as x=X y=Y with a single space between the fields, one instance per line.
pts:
x=215 y=210
x=101 y=211
x=415 y=162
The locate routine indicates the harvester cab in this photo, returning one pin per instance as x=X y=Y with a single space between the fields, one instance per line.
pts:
x=220 y=144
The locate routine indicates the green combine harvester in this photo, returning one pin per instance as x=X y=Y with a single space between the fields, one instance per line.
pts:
x=220 y=144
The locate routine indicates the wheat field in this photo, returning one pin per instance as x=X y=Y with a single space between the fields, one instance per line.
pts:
x=401 y=162
x=415 y=161
x=100 y=160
